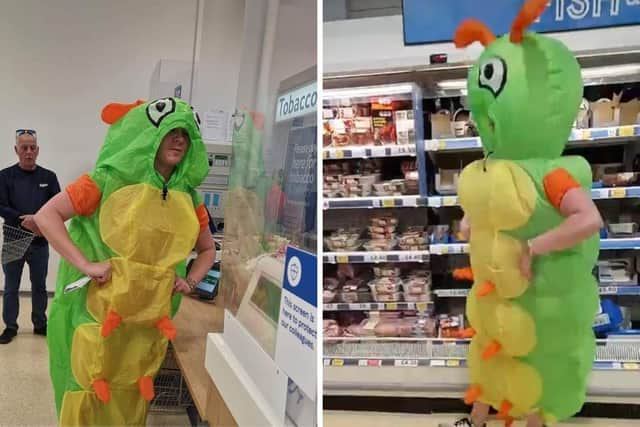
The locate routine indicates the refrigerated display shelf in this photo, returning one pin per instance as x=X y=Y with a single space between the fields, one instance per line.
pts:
x=620 y=290
x=374 y=202
x=368 y=152
x=610 y=354
x=451 y=200
x=623 y=133
x=449 y=248
x=605 y=244
x=378 y=306
x=374 y=257
x=620 y=244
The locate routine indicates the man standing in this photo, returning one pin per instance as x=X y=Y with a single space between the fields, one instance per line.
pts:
x=24 y=189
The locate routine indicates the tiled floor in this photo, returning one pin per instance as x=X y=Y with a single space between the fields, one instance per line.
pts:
x=26 y=394
x=371 y=419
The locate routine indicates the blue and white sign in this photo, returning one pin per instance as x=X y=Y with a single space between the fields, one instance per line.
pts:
x=300 y=179
x=299 y=102
x=296 y=348
x=430 y=21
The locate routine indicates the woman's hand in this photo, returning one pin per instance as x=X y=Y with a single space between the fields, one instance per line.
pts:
x=98 y=271
x=181 y=285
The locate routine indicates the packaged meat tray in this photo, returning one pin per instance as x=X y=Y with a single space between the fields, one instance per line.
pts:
x=386 y=270
x=393 y=297
x=415 y=287
x=331 y=329
x=328 y=296
x=450 y=325
x=397 y=328
x=424 y=297
x=384 y=221
x=388 y=230
x=330 y=283
x=385 y=285
x=352 y=297
x=381 y=245
x=343 y=241
x=426 y=326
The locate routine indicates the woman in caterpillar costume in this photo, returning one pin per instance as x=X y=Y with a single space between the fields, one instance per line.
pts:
x=136 y=218
x=532 y=228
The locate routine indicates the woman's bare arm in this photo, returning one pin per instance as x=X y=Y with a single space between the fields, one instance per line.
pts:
x=50 y=220
x=206 y=251
x=582 y=220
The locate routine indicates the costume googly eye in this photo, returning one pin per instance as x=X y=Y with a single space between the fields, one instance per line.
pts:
x=196 y=118
x=493 y=75
x=159 y=109
x=238 y=120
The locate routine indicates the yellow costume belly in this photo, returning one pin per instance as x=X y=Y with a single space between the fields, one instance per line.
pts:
x=151 y=236
x=499 y=196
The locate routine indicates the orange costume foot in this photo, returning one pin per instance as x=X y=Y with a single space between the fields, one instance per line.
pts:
x=472 y=394
x=145 y=385
x=493 y=348
x=101 y=387
x=485 y=289
x=111 y=322
x=168 y=329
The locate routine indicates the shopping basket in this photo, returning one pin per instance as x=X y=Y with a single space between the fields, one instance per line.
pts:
x=15 y=242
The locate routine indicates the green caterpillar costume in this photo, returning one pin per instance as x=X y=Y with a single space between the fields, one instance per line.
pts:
x=533 y=345
x=106 y=343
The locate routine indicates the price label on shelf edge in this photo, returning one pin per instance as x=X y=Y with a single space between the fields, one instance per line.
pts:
x=406 y=363
x=618 y=193
x=449 y=200
x=626 y=131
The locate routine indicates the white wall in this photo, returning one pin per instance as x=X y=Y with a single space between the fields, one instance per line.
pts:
x=219 y=55
x=377 y=43
x=295 y=51
x=62 y=61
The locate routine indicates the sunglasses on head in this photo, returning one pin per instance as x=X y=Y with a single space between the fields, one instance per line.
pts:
x=27 y=131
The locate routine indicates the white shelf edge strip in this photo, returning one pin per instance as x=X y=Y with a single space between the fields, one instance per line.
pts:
x=445 y=201
x=621 y=290
x=375 y=257
x=368 y=151
x=577 y=135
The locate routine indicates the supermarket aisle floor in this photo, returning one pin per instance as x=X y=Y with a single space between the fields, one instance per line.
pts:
x=26 y=394
x=373 y=419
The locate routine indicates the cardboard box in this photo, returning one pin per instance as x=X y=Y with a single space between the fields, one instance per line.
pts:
x=629 y=112
x=441 y=125
x=383 y=128
x=405 y=127
x=605 y=112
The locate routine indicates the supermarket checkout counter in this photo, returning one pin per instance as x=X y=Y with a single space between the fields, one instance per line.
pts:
x=200 y=314
x=194 y=321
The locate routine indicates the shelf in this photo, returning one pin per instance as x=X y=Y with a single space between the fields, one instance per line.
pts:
x=615 y=193
x=374 y=257
x=451 y=293
x=620 y=244
x=448 y=201
x=449 y=248
x=622 y=290
x=605 y=244
x=610 y=355
x=374 y=202
x=379 y=306
x=368 y=152
x=577 y=136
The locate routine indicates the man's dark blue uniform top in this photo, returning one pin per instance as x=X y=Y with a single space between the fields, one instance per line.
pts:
x=24 y=192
